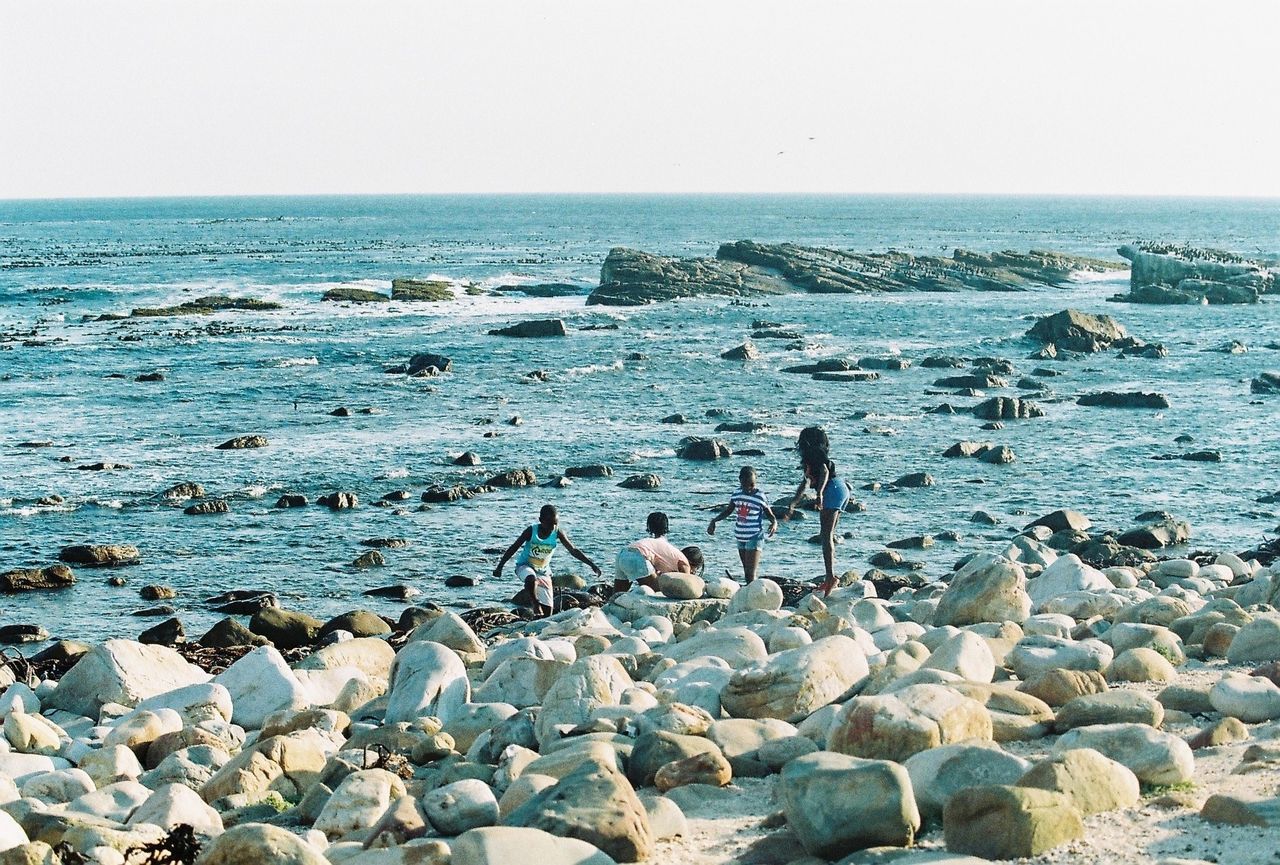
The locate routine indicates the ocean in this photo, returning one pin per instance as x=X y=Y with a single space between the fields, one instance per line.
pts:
x=71 y=381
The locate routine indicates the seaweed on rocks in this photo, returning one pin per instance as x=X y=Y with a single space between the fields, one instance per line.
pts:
x=179 y=847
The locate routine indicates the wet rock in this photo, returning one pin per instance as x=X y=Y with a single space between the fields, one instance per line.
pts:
x=168 y=633
x=100 y=555
x=212 y=506
x=291 y=500
x=1130 y=399
x=37 y=579
x=421 y=290
x=1000 y=455
x=1005 y=408
x=339 y=501
x=1266 y=383
x=24 y=633
x=286 y=629
x=513 y=478
x=702 y=449
x=746 y=351
x=398 y=592
x=1073 y=330
x=244 y=442
x=229 y=633
x=532 y=329
x=184 y=490
x=346 y=294
x=104 y=467
x=915 y=480
x=371 y=559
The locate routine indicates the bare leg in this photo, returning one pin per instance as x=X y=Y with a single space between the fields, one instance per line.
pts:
x=829 y=520
x=750 y=563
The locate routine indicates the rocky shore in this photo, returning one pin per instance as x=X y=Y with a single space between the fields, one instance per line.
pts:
x=1066 y=691
x=1172 y=274
x=748 y=269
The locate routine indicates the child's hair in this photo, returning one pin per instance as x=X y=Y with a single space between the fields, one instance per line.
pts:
x=658 y=524
x=813 y=441
x=696 y=562
x=548 y=514
x=745 y=475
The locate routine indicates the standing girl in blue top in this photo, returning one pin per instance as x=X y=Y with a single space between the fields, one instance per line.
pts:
x=536 y=544
x=751 y=509
x=833 y=494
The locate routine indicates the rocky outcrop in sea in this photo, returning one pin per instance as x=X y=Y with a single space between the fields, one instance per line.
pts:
x=1163 y=273
x=745 y=268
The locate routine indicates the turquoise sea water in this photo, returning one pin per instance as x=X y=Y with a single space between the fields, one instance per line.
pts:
x=281 y=373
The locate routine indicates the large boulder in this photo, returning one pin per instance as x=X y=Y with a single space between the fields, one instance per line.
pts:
x=286 y=629
x=838 y=804
x=587 y=685
x=896 y=725
x=1154 y=756
x=538 y=328
x=987 y=589
x=100 y=555
x=261 y=683
x=358 y=801
x=1073 y=330
x=1040 y=653
x=449 y=629
x=501 y=845
x=1095 y=783
x=657 y=748
x=793 y=684
x=124 y=672
x=256 y=843
x=999 y=822
x=1067 y=574
x=940 y=773
x=1257 y=641
x=426 y=679
x=593 y=804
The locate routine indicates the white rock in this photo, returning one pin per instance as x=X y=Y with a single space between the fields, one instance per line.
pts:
x=427 y=679
x=507 y=845
x=472 y=719
x=681 y=587
x=1236 y=564
x=369 y=655
x=521 y=647
x=1049 y=624
x=720 y=587
x=520 y=681
x=1033 y=655
x=1257 y=641
x=359 y=801
x=111 y=764
x=793 y=684
x=11 y=834
x=461 y=806
x=19 y=696
x=696 y=683
x=137 y=730
x=261 y=683
x=965 y=654
x=738 y=647
x=451 y=631
x=125 y=672
x=20 y=767
x=113 y=802
x=1252 y=699
x=588 y=684
x=786 y=638
x=33 y=734
x=1067 y=574
x=194 y=703
x=60 y=787
x=1177 y=568
x=326 y=687
x=759 y=594
x=174 y=804
x=1154 y=756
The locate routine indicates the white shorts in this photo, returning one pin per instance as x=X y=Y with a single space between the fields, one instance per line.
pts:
x=543 y=592
x=631 y=565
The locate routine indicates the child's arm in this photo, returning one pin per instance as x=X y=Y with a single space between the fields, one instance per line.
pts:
x=791 y=509
x=773 y=520
x=577 y=553
x=711 y=526
x=511 y=550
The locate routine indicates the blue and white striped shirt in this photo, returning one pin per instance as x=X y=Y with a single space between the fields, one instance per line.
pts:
x=749 y=508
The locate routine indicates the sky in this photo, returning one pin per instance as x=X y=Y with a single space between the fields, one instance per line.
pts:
x=235 y=97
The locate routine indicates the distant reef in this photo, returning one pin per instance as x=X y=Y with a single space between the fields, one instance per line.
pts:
x=745 y=268
x=1179 y=274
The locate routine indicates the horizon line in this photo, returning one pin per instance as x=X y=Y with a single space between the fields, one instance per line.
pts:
x=649 y=194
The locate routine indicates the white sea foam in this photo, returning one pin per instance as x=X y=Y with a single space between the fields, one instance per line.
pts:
x=396 y=473
x=595 y=367
x=114 y=504
x=256 y=491
x=282 y=362
x=652 y=453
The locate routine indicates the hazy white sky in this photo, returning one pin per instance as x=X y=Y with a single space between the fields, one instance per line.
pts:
x=309 y=96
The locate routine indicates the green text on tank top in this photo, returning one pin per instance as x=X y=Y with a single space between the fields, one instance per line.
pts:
x=537 y=552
